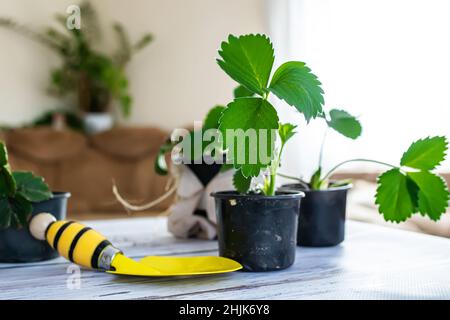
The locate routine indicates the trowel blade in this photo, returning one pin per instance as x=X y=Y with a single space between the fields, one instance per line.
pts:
x=157 y=266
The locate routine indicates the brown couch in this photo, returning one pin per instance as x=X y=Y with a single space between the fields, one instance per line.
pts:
x=87 y=165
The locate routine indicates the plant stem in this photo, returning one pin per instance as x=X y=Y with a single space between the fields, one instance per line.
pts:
x=322 y=148
x=300 y=181
x=356 y=160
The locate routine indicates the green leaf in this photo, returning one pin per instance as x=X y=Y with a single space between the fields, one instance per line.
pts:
x=212 y=118
x=5 y=213
x=344 y=123
x=31 y=187
x=3 y=155
x=241 y=92
x=294 y=83
x=249 y=115
x=160 y=164
x=396 y=196
x=286 y=131
x=433 y=194
x=248 y=60
x=7 y=182
x=425 y=154
x=316 y=183
x=241 y=183
x=14 y=211
x=22 y=209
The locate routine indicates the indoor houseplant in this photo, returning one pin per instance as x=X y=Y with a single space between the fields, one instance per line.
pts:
x=193 y=175
x=23 y=195
x=257 y=226
x=94 y=77
x=403 y=190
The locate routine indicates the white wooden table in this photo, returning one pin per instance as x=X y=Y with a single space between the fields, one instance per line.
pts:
x=373 y=263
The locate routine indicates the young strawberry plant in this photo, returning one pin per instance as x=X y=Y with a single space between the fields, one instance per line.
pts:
x=249 y=60
x=18 y=190
x=405 y=189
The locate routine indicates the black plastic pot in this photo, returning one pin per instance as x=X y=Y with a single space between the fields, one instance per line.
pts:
x=321 y=222
x=17 y=245
x=258 y=231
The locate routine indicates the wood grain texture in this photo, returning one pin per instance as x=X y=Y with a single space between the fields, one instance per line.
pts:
x=373 y=263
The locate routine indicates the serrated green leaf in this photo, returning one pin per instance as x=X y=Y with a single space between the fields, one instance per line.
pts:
x=5 y=213
x=244 y=116
x=212 y=118
x=344 y=123
x=241 y=183
x=22 y=209
x=248 y=60
x=14 y=211
x=241 y=92
x=3 y=155
x=294 y=83
x=396 y=196
x=433 y=194
x=7 y=182
x=286 y=131
x=31 y=187
x=425 y=154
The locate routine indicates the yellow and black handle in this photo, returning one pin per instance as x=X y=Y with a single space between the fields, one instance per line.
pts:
x=74 y=241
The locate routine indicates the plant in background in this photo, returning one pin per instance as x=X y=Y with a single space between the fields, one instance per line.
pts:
x=18 y=190
x=249 y=59
x=94 y=77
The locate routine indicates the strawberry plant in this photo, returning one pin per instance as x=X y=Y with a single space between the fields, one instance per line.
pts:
x=18 y=190
x=249 y=59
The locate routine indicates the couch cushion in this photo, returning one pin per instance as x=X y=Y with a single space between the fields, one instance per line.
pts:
x=129 y=143
x=44 y=144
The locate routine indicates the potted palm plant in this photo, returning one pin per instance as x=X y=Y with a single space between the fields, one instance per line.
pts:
x=95 y=78
x=257 y=225
x=23 y=195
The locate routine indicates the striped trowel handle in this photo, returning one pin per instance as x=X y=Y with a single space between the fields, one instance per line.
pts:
x=80 y=244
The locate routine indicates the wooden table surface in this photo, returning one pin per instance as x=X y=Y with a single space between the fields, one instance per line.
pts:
x=373 y=263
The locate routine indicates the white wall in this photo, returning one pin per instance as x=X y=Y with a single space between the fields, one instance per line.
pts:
x=382 y=60
x=173 y=82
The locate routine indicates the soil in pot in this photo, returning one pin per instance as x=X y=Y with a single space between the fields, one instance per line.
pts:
x=321 y=221
x=258 y=231
x=17 y=245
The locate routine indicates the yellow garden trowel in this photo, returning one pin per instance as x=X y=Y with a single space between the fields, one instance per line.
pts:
x=88 y=248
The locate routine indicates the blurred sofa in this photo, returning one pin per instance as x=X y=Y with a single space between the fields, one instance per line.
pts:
x=86 y=166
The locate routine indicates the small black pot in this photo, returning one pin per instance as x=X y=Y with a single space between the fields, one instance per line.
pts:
x=258 y=231
x=18 y=245
x=321 y=222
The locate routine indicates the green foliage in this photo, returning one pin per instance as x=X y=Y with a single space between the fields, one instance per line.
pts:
x=248 y=60
x=212 y=118
x=241 y=92
x=425 y=154
x=344 y=123
x=396 y=196
x=93 y=76
x=294 y=83
x=402 y=192
x=241 y=115
x=240 y=182
x=31 y=187
x=211 y=121
x=432 y=194
x=17 y=192
x=286 y=131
